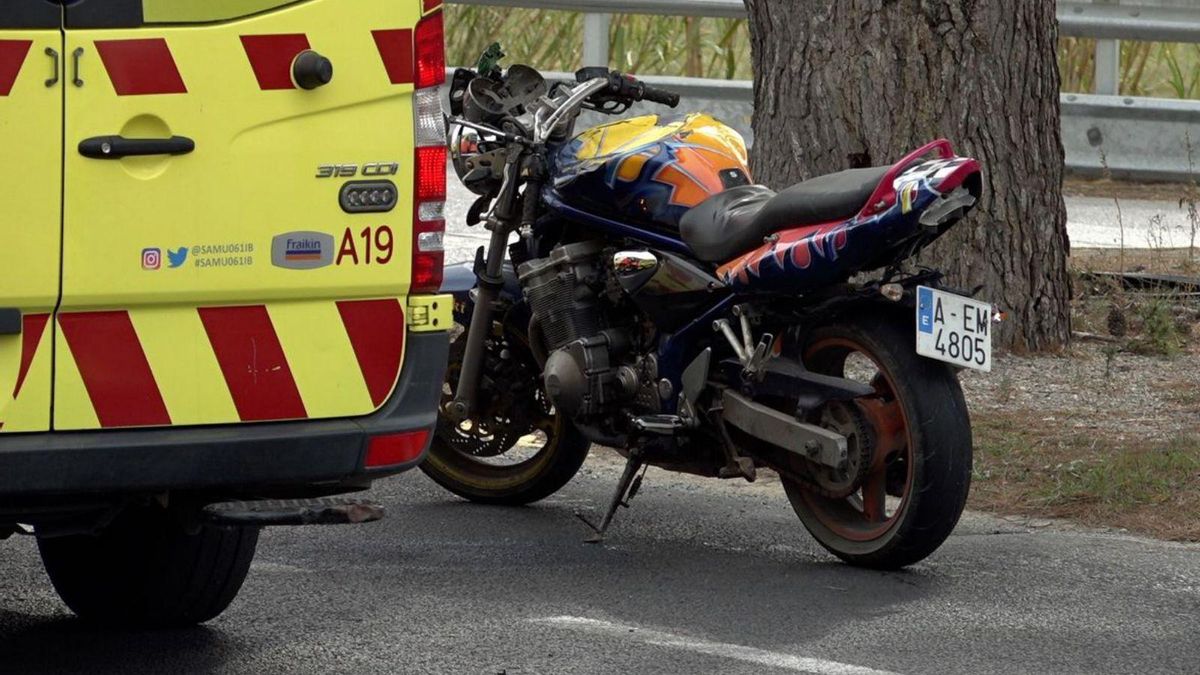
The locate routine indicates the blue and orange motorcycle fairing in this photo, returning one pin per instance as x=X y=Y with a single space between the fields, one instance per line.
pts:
x=811 y=256
x=647 y=171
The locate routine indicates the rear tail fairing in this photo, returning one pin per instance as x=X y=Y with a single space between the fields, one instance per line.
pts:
x=887 y=229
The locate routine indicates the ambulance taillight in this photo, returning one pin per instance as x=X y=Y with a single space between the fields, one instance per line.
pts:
x=429 y=193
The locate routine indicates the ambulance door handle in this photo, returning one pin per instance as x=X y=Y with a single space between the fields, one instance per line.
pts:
x=10 y=321
x=78 y=54
x=116 y=147
x=54 y=77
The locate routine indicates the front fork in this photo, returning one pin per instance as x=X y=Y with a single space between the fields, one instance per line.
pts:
x=502 y=222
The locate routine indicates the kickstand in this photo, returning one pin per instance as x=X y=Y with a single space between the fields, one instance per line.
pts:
x=736 y=465
x=627 y=488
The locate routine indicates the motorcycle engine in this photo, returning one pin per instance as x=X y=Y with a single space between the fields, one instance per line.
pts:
x=591 y=363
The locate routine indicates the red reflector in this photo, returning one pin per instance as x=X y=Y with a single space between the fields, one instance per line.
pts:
x=431 y=174
x=431 y=51
x=396 y=449
x=427 y=272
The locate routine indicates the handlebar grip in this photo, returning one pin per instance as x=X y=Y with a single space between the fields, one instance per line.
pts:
x=655 y=95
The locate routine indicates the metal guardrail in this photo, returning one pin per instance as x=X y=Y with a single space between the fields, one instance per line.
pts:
x=1128 y=22
x=1129 y=137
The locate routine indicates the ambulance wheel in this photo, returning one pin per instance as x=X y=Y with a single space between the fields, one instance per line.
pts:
x=150 y=568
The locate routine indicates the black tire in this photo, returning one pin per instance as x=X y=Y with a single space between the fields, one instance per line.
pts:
x=545 y=474
x=939 y=447
x=534 y=479
x=149 y=569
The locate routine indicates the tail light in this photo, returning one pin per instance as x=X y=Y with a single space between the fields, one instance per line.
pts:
x=431 y=51
x=429 y=165
x=394 y=449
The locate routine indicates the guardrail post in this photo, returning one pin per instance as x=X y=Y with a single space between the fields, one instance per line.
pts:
x=595 y=39
x=1108 y=62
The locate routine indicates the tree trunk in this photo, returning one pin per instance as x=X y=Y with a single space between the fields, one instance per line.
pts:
x=846 y=83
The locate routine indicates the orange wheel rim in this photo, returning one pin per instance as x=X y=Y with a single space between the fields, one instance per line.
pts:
x=864 y=516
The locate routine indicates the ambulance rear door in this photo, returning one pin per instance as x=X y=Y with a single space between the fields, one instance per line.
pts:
x=31 y=127
x=239 y=208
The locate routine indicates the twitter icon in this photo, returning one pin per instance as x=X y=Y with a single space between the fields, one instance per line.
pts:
x=177 y=258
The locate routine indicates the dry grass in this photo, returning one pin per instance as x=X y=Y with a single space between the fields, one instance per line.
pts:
x=1107 y=188
x=1159 y=69
x=1161 y=260
x=1027 y=466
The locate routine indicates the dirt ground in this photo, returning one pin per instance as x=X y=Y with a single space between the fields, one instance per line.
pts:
x=1108 y=431
x=1123 y=397
x=1080 y=187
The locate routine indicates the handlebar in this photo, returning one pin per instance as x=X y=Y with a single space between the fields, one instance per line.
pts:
x=662 y=96
x=599 y=89
x=627 y=87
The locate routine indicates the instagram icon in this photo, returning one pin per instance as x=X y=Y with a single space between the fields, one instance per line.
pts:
x=151 y=258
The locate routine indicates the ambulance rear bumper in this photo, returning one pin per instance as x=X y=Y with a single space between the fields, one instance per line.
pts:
x=284 y=459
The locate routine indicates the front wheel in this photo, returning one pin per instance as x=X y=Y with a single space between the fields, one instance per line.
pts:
x=915 y=436
x=150 y=568
x=516 y=449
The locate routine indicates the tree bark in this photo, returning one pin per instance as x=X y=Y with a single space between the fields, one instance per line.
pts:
x=846 y=83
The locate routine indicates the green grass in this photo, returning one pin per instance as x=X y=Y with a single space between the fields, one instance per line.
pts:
x=1158 y=69
x=720 y=48
x=1128 y=478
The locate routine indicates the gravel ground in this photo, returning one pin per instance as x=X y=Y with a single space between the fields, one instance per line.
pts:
x=1133 y=396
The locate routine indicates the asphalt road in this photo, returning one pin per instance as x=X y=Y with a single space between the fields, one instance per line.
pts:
x=699 y=576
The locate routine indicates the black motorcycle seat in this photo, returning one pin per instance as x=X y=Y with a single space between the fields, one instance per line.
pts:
x=737 y=220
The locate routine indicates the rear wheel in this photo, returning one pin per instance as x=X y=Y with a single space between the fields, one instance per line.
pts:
x=914 y=437
x=150 y=568
x=515 y=449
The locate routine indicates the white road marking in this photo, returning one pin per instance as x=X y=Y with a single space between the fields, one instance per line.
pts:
x=780 y=660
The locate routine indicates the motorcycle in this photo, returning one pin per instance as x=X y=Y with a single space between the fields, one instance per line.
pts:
x=641 y=292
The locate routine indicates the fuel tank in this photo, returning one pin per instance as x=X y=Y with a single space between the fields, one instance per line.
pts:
x=649 y=171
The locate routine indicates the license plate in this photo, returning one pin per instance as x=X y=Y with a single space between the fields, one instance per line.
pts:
x=954 y=329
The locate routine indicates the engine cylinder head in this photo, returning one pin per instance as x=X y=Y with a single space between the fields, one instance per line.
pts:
x=559 y=292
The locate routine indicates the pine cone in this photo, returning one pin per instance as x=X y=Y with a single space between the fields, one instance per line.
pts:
x=1117 y=326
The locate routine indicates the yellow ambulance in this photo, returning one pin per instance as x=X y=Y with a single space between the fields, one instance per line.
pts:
x=220 y=264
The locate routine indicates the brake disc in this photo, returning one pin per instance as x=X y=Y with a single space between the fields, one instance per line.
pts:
x=502 y=415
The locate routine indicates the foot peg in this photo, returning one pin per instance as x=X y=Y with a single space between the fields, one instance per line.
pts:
x=665 y=425
x=627 y=488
